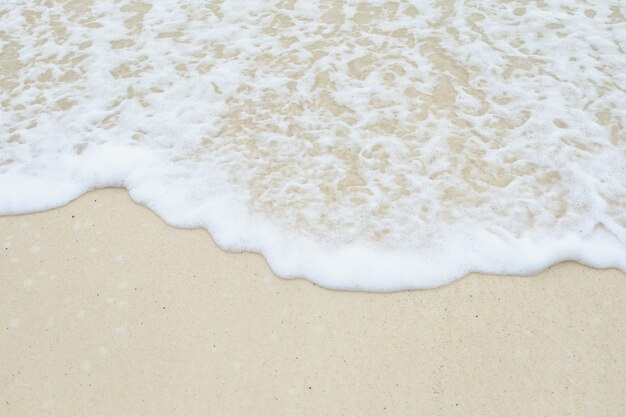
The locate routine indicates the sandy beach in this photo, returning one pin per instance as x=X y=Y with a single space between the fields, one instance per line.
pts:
x=107 y=311
x=445 y=135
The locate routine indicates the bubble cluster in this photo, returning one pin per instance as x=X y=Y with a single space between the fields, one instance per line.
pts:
x=361 y=144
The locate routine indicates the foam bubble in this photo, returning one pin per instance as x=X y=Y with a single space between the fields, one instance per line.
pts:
x=374 y=145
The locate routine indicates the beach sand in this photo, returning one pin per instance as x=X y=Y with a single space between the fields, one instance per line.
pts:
x=107 y=311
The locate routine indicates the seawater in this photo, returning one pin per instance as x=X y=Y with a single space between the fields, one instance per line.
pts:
x=371 y=145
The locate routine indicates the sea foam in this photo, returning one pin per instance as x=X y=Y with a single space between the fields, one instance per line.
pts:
x=371 y=145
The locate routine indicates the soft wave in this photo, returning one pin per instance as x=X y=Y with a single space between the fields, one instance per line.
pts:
x=374 y=145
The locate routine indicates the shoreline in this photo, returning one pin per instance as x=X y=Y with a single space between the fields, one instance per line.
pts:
x=106 y=310
x=568 y=263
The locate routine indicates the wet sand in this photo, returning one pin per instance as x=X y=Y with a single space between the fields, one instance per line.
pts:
x=107 y=311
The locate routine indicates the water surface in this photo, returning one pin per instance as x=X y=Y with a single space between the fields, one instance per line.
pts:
x=373 y=145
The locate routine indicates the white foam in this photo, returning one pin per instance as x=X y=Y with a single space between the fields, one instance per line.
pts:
x=374 y=145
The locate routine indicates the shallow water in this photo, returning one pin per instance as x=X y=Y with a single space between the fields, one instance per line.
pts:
x=375 y=145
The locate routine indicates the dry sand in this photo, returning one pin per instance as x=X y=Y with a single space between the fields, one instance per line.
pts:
x=107 y=311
